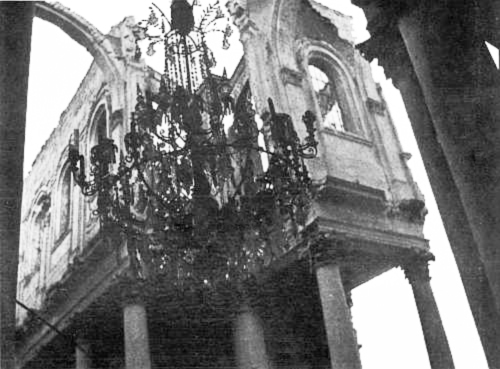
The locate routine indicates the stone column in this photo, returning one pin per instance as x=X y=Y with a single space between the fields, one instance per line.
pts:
x=438 y=349
x=15 y=38
x=135 y=327
x=83 y=354
x=455 y=70
x=250 y=345
x=388 y=46
x=342 y=342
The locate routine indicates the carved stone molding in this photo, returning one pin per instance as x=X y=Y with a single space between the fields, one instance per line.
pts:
x=405 y=156
x=238 y=11
x=376 y=107
x=290 y=76
x=388 y=47
x=411 y=210
x=116 y=118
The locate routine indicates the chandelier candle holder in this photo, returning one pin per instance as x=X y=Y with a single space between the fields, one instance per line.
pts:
x=194 y=198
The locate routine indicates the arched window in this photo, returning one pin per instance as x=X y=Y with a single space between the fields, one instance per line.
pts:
x=64 y=202
x=331 y=93
x=100 y=123
x=37 y=241
x=98 y=131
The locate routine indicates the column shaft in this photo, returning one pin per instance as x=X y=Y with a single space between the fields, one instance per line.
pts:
x=135 y=325
x=432 y=326
x=250 y=345
x=15 y=38
x=339 y=329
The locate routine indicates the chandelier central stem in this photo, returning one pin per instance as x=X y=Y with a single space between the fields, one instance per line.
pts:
x=187 y=61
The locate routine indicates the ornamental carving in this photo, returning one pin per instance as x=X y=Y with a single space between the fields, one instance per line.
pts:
x=416 y=268
x=376 y=107
x=238 y=11
x=411 y=210
x=290 y=76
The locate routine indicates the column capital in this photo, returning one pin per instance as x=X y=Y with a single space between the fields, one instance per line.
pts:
x=386 y=43
x=132 y=291
x=330 y=248
x=416 y=269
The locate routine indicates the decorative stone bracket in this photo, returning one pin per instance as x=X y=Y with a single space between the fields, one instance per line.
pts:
x=290 y=76
x=376 y=107
x=411 y=210
x=238 y=11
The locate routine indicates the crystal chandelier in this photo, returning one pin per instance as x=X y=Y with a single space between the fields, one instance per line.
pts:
x=197 y=201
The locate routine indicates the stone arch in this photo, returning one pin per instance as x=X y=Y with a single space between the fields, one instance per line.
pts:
x=87 y=35
x=43 y=191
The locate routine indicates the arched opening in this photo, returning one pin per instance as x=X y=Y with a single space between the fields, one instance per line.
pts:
x=100 y=125
x=34 y=243
x=332 y=96
x=64 y=207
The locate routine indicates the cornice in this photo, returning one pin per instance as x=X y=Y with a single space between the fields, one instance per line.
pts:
x=335 y=187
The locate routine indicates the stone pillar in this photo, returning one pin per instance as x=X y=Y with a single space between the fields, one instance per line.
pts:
x=342 y=343
x=455 y=70
x=438 y=349
x=135 y=327
x=15 y=38
x=250 y=345
x=476 y=268
x=83 y=354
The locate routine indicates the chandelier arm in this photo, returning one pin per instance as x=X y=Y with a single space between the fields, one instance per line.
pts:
x=214 y=30
x=243 y=176
x=152 y=192
x=154 y=39
x=167 y=140
x=170 y=34
x=87 y=187
x=162 y=14
x=255 y=148
x=213 y=21
x=204 y=18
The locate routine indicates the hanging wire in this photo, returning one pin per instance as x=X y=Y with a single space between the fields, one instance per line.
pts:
x=67 y=337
